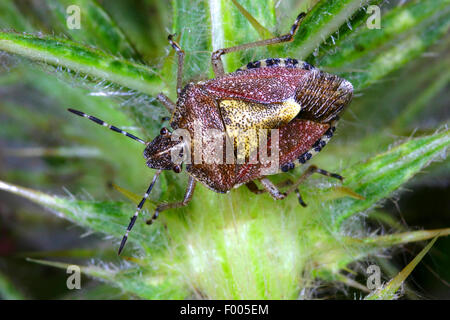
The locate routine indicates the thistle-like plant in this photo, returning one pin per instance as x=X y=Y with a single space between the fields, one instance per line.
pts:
x=238 y=245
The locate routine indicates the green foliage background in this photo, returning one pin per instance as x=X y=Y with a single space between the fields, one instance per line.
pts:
x=239 y=245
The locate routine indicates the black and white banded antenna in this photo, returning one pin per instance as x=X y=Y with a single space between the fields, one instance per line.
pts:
x=103 y=123
x=155 y=177
x=138 y=209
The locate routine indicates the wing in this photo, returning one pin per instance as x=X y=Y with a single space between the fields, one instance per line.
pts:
x=260 y=85
x=253 y=99
x=296 y=139
x=321 y=96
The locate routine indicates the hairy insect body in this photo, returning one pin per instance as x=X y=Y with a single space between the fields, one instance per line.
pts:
x=299 y=100
x=221 y=126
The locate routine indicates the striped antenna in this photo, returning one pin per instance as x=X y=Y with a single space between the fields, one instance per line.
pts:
x=138 y=209
x=103 y=123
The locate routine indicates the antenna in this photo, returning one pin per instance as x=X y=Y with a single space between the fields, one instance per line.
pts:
x=138 y=209
x=103 y=123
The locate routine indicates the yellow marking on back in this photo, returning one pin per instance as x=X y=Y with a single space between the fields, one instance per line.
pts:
x=244 y=119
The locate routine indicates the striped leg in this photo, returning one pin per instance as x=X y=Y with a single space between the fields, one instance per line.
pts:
x=278 y=195
x=312 y=169
x=187 y=198
x=288 y=182
x=216 y=57
x=103 y=123
x=138 y=209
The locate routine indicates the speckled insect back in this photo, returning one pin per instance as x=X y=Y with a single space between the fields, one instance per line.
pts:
x=284 y=106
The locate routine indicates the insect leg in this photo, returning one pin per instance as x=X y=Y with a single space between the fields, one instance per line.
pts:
x=254 y=188
x=216 y=57
x=180 y=53
x=165 y=100
x=138 y=209
x=187 y=198
x=288 y=182
x=272 y=189
x=312 y=169
x=103 y=123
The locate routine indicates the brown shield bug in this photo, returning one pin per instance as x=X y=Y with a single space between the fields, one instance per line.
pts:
x=300 y=101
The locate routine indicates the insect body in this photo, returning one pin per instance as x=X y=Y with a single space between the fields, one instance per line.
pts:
x=301 y=102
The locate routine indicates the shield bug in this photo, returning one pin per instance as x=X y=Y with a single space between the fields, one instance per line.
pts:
x=301 y=102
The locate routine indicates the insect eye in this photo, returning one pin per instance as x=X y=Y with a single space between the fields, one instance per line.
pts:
x=177 y=169
x=164 y=131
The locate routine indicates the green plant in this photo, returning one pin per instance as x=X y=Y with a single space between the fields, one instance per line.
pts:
x=234 y=246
